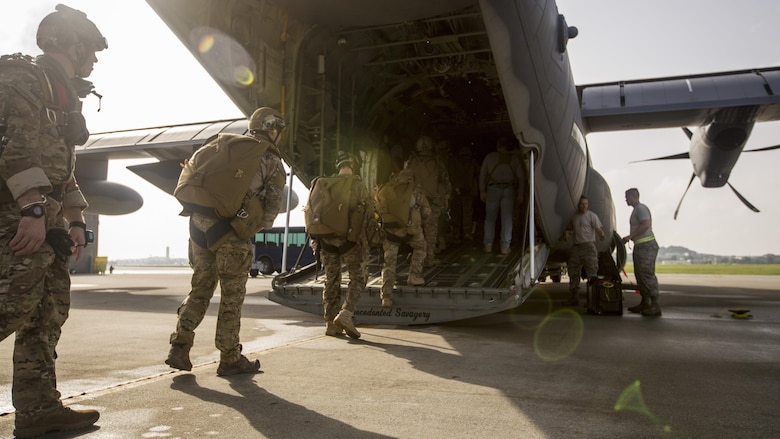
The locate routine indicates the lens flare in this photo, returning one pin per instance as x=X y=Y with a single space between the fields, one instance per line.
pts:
x=206 y=44
x=534 y=310
x=243 y=75
x=631 y=399
x=558 y=335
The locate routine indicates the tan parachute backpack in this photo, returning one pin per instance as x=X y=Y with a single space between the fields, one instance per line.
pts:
x=331 y=209
x=393 y=202
x=215 y=180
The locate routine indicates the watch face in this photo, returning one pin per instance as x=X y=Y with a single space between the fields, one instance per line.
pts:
x=35 y=211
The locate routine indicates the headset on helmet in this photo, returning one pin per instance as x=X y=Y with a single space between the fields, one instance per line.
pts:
x=344 y=158
x=424 y=144
x=266 y=119
x=66 y=27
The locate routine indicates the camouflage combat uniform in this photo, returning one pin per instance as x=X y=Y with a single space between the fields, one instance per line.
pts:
x=355 y=259
x=229 y=265
x=436 y=190
x=35 y=289
x=584 y=252
x=645 y=253
x=412 y=234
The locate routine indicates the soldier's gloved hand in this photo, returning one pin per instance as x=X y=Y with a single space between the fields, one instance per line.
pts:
x=61 y=242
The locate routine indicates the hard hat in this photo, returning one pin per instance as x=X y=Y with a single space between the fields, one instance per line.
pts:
x=266 y=119
x=347 y=158
x=424 y=144
x=66 y=27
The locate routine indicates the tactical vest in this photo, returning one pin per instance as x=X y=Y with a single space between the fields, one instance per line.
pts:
x=331 y=211
x=64 y=117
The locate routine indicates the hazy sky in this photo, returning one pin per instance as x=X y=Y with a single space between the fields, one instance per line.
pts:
x=148 y=78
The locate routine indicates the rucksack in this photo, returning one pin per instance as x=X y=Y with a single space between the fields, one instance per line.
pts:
x=51 y=112
x=426 y=173
x=331 y=209
x=393 y=201
x=217 y=176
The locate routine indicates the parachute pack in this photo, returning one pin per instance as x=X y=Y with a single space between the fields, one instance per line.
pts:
x=426 y=171
x=215 y=180
x=330 y=212
x=393 y=201
x=52 y=113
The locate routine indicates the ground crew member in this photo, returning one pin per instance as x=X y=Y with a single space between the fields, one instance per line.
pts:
x=410 y=233
x=230 y=261
x=40 y=125
x=645 y=253
x=335 y=251
x=585 y=226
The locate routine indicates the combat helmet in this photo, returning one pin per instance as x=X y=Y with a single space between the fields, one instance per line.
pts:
x=424 y=145
x=266 y=119
x=67 y=27
x=347 y=158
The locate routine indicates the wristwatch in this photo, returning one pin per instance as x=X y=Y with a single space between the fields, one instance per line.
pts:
x=34 y=210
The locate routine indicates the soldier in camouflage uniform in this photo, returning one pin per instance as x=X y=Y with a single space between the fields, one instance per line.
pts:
x=333 y=252
x=229 y=262
x=40 y=125
x=410 y=233
x=430 y=173
x=645 y=254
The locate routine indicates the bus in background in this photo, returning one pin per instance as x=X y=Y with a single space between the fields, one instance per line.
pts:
x=269 y=246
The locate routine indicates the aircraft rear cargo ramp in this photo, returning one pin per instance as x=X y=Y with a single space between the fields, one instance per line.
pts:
x=468 y=284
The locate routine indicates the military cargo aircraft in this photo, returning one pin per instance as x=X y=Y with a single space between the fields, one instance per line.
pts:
x=360 y=79
x=723 y=106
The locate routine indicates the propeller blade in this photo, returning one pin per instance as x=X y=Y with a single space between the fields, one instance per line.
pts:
x=683 y=155
x=767 y=148
x=687 y=133
x=741 y=198
x=683 y=195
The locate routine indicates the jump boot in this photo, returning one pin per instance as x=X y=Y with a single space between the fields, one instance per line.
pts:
x=387 y=302
x=243 y=365
x=179 y=357
x=344 y=321
x=61 y=419
x=332 y=330
x=643 y=305
x=654 y=310
x=415 y=279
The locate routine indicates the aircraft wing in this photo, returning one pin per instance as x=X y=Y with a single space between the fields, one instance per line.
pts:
x=679 y=101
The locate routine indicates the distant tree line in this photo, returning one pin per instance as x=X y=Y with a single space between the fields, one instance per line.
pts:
x=681 y=255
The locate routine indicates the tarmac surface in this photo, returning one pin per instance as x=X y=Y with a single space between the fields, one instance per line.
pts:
x=539 y=371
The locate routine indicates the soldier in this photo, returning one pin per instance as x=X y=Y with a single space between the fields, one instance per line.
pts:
x=464 y=192
x=430 y=173
x=347 y=245
x=402 y=195
x=39 y=130
x=228 y=261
